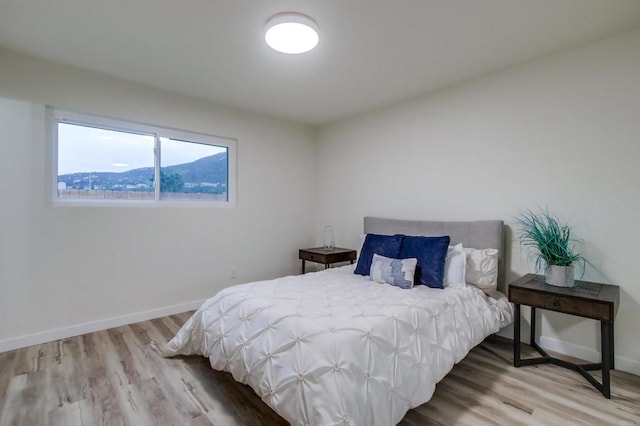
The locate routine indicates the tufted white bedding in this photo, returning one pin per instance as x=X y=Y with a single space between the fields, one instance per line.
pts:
x=334 y=348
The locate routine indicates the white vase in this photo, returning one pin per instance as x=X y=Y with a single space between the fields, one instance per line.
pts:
x=560 y=276
x=327 y=237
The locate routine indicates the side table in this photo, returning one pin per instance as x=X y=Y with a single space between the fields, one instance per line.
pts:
x=326 y=256
x=585 y=299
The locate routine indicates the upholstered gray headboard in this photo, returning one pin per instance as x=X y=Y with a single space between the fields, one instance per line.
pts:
x=476 y=234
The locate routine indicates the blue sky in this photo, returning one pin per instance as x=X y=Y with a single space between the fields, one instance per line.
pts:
x=89 y=149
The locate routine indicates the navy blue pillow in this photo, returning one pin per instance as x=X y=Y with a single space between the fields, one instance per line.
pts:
x=384 y=245
x=431 y=253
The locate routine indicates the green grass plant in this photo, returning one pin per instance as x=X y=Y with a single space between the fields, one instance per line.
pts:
x=549 y=239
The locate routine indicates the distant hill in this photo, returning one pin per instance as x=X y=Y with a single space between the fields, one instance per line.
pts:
x=212 y=169
x=208 y=171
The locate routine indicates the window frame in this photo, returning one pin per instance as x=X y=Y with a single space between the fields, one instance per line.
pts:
x=55 y=116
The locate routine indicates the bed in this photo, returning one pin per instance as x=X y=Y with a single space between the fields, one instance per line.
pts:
x=335 y=348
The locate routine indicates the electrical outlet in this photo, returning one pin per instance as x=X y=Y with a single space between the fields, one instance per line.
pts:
x=234 y=273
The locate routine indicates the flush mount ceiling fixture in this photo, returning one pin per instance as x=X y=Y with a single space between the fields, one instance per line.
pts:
x=291 y=32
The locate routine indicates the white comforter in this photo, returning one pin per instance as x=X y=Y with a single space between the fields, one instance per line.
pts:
x=333 y=348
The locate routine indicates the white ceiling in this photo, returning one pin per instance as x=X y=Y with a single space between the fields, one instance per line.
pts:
x=371 y=53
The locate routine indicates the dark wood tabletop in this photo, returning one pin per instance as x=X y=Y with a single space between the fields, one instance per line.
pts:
x=572 y=299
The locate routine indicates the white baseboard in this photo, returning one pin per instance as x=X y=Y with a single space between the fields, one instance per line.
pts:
x=92 y=326
x=588 y=354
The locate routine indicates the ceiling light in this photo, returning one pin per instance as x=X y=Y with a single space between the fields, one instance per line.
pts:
x=291 y=32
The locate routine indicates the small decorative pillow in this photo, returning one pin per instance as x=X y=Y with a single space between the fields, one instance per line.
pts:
x=384 y=245
x=482 y=268
x=397 y=272
x=454 y=266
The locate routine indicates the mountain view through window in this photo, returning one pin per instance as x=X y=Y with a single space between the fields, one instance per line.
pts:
x=96 y=163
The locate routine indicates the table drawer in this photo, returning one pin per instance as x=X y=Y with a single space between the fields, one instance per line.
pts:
x=567 y=305
x=312 y=257
x=341 y=257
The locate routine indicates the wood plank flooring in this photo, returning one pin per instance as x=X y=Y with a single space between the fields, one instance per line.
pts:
x=119 y=377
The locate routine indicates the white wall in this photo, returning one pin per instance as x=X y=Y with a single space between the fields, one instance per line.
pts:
x=563 y=132
x=63 y=266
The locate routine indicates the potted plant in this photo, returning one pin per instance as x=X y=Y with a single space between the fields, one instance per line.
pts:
x=552 y=246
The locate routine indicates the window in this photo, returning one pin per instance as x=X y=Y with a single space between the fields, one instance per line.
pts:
x=103 y=160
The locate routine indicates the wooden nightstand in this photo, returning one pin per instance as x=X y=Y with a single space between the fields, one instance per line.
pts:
x=589 y=300
x=325 y=256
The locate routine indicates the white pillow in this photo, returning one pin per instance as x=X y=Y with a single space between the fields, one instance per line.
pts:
x=454 y=266
x=482 y=268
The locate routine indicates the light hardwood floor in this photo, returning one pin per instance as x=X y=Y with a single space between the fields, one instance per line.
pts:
x=119 y=376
